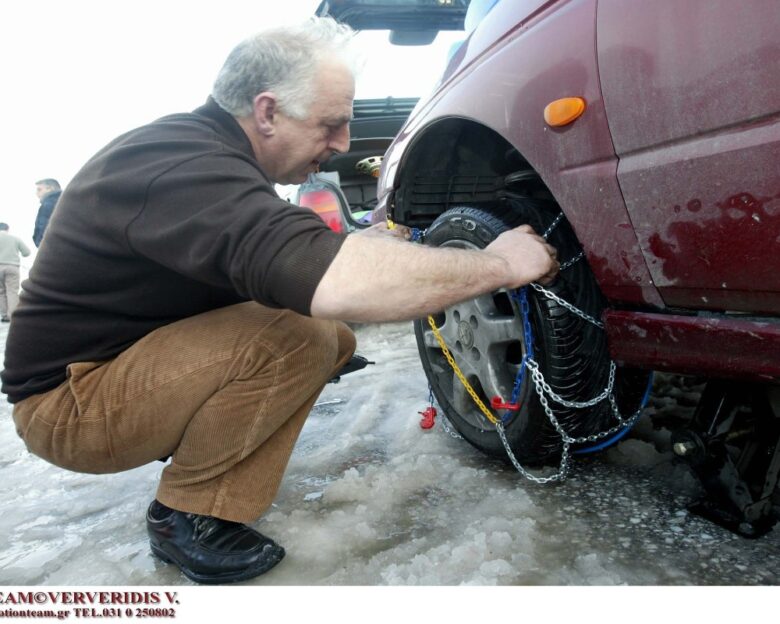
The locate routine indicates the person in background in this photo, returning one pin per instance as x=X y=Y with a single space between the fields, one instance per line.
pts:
x=181 y=307
x=10 y=248
x=48 y=191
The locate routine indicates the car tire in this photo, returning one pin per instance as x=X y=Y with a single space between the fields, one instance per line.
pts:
x=485 y=336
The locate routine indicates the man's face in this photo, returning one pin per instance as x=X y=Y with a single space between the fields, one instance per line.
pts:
x=301 y=145
x=42 y=189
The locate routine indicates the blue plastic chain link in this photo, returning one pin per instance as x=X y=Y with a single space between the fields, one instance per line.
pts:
x=521 y=297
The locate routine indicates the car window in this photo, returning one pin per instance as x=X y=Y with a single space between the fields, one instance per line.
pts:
x=400 y=71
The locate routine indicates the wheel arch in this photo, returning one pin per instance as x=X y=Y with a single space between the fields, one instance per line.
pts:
x=457 y=160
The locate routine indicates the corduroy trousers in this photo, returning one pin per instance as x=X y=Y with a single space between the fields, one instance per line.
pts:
x=225 y=393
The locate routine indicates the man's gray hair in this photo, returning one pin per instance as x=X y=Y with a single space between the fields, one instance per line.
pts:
x=282 y=60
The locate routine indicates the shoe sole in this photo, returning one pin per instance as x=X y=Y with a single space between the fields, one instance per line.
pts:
x=228 y=577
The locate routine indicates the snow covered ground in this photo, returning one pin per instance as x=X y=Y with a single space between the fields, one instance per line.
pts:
x=370 y=498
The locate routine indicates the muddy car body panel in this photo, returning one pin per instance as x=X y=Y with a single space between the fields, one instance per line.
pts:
x=577 y=163
x=692 y=97
x=669 y=178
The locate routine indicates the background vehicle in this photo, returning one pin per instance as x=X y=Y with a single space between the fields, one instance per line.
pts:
x=645 y=148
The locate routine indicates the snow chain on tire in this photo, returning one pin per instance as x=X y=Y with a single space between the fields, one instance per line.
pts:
x=543 y=389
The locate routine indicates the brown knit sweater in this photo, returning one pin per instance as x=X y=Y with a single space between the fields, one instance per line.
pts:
x=169 y=220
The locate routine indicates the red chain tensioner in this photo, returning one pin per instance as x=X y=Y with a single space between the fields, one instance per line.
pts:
x=497 y=403
x=428 y=417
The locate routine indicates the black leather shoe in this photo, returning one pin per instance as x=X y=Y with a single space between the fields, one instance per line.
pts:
x=207 y=549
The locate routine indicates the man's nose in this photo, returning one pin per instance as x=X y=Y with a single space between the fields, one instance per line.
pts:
x=339 y=141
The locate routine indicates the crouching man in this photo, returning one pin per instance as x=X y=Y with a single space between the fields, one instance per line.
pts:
x=180 y=307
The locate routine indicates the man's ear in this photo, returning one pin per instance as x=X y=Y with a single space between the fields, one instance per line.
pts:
x=265 y=109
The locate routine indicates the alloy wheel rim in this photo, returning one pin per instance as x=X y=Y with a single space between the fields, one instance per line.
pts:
x=486 y=339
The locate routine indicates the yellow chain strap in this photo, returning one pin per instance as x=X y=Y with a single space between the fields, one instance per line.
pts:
x=459 y=373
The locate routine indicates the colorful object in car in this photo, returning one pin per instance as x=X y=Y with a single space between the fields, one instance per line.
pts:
x=326 y=205
x=370 y=166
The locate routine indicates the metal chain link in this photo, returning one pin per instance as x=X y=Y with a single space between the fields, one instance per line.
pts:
x=567 y=440
x=442 y=419
x=566 y=304
x=584 y=439
x=573 y=261
x=539 y=381
x=552 y=226
x=445 y=425
x=558 y=476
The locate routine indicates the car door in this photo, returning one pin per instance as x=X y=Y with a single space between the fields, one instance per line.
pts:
x=692 y=98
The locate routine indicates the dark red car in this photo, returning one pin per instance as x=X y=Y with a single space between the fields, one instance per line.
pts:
x=643 y=138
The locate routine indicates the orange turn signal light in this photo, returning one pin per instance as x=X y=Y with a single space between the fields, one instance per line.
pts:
x=564 y=111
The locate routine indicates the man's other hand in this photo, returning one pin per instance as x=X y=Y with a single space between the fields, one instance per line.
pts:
x=380 y=229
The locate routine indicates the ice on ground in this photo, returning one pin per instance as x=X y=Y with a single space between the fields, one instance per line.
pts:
x=369 y=498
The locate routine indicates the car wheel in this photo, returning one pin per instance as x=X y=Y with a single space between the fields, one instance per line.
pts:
x=486 y=338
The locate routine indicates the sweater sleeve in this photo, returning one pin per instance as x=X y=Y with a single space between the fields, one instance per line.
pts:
x=23 y=249
x=216 y=219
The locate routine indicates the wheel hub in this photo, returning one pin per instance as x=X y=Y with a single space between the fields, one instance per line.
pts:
x=478 y=335
x=465 y=335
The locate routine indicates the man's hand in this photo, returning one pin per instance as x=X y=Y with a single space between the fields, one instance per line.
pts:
x=528 y=256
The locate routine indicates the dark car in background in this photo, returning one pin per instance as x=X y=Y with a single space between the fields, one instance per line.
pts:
x=642 y=139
